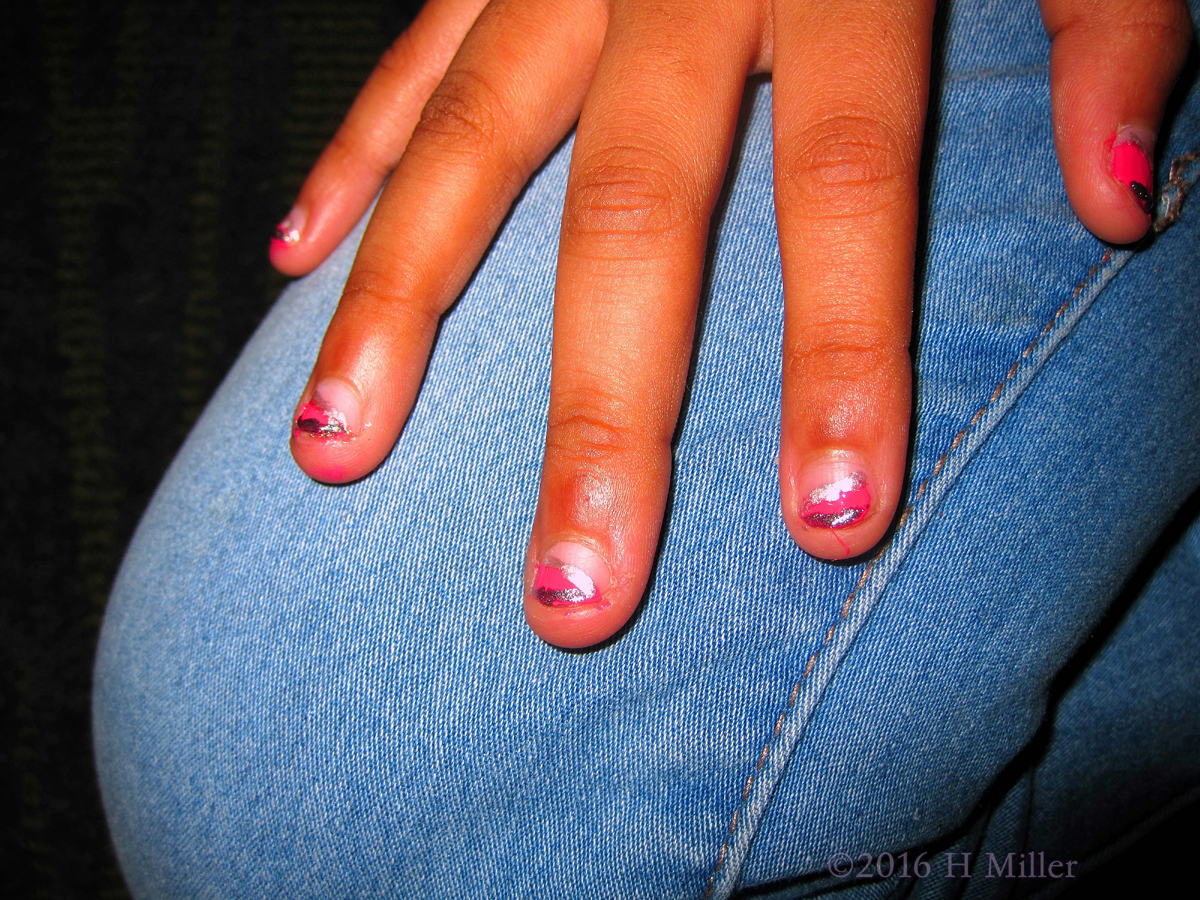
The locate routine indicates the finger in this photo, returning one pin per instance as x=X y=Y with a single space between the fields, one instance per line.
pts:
x=850 y=85
x=1112 y=65
x=649 y=159
x=369 y=143
x=512 y=92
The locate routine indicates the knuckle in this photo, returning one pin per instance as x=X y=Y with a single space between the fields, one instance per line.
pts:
x=1163 y=22
x=390 y=296
x=849 y=354
x=629 y=191
x=398 y=60
x=465 y=115
x=1169 y=24
x=368 y=150
x=594 y=430
x=847 y=165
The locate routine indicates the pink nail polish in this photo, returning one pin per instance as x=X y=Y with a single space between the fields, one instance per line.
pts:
x=1130 y=154
x=570 y=575
x=288 y=231
x=838 y=499
x=332 y=411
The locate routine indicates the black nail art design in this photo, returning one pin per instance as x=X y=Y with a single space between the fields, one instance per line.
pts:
x=1143 y=196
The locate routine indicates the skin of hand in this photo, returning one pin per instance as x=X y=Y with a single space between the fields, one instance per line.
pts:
x=474 y=96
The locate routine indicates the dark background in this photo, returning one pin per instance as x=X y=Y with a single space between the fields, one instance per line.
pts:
x=148 y=148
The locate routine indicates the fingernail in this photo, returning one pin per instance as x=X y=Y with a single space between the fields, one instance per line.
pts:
x=288 y=231
x=332 y=410
x=570 y=575
x=1131 y=150
x=835 y=494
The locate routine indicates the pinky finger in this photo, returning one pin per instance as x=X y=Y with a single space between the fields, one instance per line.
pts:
x=371 y=140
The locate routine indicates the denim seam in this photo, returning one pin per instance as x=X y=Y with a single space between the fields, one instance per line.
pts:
x=807 y=692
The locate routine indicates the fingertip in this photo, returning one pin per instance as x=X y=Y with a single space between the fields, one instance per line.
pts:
x=331 y=441
x=291 y=252
x=1110 y=182
x=571 y=599
x=836 y=504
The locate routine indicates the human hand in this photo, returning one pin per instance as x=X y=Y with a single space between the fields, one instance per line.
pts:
x=656 y=86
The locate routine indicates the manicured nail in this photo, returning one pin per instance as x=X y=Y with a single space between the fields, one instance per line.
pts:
x=1131 y=150
x=570 y=575
x=331 y=411
x=288 y=231
x=834 y=495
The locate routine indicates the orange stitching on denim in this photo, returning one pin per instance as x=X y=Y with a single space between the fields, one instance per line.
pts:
x=779 y=723
x=1175 y=190
x=1176 y=181
x=937 y=468
x=763 y=758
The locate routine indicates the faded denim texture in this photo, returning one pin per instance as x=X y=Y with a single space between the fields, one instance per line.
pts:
x=319 y=692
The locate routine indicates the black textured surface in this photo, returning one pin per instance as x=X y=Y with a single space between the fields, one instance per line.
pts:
x=148 y=148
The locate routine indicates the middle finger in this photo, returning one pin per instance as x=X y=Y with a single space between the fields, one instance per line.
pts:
x=649 y=160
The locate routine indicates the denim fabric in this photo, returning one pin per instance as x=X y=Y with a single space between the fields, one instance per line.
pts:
x=308 y=691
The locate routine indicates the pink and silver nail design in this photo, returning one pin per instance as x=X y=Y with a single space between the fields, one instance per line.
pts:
x=571 y=575
x=332 y=411
x=837 y=504
x=564 y=585
x=321 y=422
x=286 y=232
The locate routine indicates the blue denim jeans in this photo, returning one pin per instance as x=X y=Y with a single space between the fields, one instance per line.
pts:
x=307 y=691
